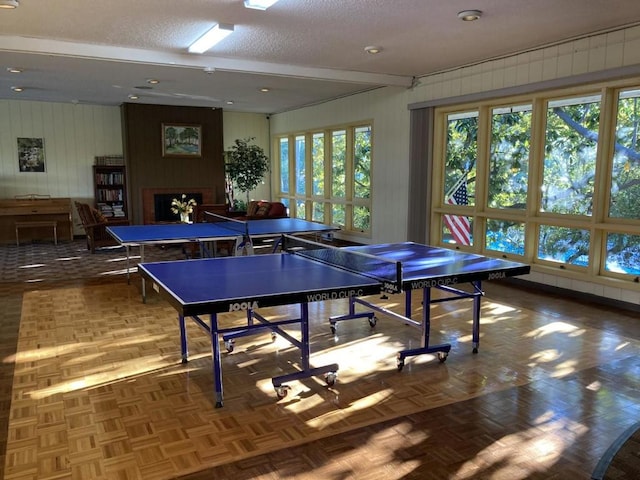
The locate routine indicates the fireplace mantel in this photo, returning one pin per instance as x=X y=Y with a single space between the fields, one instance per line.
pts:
x=148 y=208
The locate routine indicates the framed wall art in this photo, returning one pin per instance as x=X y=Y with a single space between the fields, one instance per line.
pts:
x=181 y=140
x=31 y=154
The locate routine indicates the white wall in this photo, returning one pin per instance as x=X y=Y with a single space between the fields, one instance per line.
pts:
x=387 y=108
x=249 y=125
x=73 y=135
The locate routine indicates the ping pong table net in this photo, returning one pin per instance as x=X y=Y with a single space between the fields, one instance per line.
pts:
x=387 y=272
x=239 y=227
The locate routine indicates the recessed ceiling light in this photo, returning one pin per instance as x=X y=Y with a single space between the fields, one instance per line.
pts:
x=9 y=4
x=209 y=70
x=131 y=96
x=229 y=102
x=372 y=49
x=17 y=89
x=264 y=89
x=14 y=70
x=469 y=15
x=153 y=81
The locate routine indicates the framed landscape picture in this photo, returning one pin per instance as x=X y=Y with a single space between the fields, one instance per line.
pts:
x=181 y=140
x=31 y=154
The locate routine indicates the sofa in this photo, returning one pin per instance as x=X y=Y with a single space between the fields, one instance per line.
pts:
x=261 y=209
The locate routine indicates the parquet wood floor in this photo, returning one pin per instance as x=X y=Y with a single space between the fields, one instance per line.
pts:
x=98 y=390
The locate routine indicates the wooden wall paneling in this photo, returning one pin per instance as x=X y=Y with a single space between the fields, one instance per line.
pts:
x=146 y=166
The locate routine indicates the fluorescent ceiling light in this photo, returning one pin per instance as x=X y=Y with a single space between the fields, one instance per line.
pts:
x=216 y=34
x=259 y=4
x=9 y=4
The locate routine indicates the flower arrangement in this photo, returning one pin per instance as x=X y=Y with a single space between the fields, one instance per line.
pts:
x=183 y=207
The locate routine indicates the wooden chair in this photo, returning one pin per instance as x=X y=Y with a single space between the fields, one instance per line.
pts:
x=94 y=225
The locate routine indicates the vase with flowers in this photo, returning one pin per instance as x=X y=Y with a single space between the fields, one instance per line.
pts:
x=183 y=207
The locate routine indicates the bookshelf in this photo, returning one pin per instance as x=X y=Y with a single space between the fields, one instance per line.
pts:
x=110 y=182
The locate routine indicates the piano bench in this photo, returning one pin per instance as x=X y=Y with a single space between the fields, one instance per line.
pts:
x=37 y=224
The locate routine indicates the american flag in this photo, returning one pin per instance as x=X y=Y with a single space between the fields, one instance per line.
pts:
x=459 y=226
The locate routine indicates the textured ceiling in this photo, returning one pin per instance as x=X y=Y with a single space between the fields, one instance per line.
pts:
x=305 y=51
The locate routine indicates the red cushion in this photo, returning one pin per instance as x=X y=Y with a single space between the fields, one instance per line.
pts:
x=263 y=209
x=277 y=210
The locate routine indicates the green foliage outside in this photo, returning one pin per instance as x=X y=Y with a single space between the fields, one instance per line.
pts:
x=568 y=176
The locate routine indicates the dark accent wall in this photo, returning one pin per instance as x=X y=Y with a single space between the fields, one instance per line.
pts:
x=147 y=168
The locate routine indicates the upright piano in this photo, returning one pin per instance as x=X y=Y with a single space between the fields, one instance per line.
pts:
x=35 y=209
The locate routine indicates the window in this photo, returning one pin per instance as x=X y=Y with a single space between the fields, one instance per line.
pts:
x=332 y=176
x=552 y=179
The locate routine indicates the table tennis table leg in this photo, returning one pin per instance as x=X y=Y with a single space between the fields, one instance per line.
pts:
x=305 y=357
x=184 y=349
x=217 y=360
x=476 y=315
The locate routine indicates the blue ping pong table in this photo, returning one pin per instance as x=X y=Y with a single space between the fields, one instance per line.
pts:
x=202 y=233
x=425 y=268
x=214 y=286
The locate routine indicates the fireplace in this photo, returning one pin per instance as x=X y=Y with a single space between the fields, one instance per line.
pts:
x=156 y=202
x=162 y=206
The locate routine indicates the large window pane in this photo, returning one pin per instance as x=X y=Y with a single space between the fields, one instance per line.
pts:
x=509 y=161
x=505 y=236
x=338 y=214
x=284 y=165
x=625 y=174
x=317 y=162
x=300 y=165
x=361 y=218
x=318 y=212
x=461 y=156
x=564 y=245
x=457 y=229
x=362 y=162
x=338 y=160
x=300 y=209
x=623 y=253
x=570 y=155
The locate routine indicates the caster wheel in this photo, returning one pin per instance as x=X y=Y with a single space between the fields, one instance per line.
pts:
x=373 y=321
x=229 y=344
x=475 y=350
x=333 y=329
x=400 y=363
x=330 y=378
x=442 y=356
x=274 y=335
x=282 y=391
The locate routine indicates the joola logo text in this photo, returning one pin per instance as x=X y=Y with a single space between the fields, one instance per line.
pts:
x=497 y=275
x=234 y=307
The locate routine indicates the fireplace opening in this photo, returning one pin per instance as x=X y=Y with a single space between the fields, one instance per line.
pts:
x=162 y=205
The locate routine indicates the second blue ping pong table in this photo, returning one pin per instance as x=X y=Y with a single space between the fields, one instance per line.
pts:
x=220 y=228
x=305 y=272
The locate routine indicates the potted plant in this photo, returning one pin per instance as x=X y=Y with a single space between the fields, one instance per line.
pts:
x=245 y=166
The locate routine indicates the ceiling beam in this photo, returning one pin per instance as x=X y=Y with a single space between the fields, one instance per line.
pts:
x=36 y=46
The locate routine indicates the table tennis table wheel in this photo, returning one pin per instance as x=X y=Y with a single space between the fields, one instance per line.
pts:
x=274 y=335
x=442 y=356
x=330 y=378
x=229 y=344
x=373 y=321
x=282 y=391
x=333 y=328
x=400 y=362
